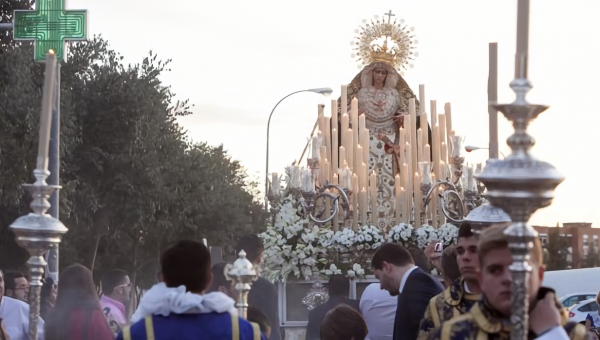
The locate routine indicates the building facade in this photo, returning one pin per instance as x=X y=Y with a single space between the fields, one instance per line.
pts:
x=582 y=238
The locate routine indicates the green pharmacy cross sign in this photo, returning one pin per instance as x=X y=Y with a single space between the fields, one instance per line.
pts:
x=50 y=25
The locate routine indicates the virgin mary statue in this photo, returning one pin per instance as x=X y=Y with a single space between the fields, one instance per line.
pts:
x=383 y=96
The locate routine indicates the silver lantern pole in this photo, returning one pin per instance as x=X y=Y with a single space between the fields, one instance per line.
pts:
x=243 y=273
x=39 y=232
x=520 y=184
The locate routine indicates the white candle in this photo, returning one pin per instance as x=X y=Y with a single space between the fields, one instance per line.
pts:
x=442 y=132
x=315 y=147
x=321 y=117
x=407 y=193
x=334 y=136
x=427 y=153
x=398 y=199
x=470 y=178
x=350 y=149
x=363 y=206
x=443 y=152
x=420 y=148
x=334 y=150
x=402 y=137
x=344 y=96
x=373 y=195
x=435 y=139
x=422 y=99
x=343 y=130
x=448 y=112
x=335 y=179
x=327 y=138
x=361 y=122
x=46 y=114
x=275 y=184
x=322 y=160
x=355 y=202
x=433 y=113
x=327 y=171
x=365 y=144
x=355 y=128
x=413 y=133
x=363 y=175
x=418 y=201
x=342 y=157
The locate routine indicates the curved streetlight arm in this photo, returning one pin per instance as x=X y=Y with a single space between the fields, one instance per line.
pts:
x=268 y=127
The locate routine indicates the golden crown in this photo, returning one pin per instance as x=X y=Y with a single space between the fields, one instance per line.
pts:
x=399 y=55
x=383 y=54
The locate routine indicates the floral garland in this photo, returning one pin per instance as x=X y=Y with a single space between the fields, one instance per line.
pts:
x=293 y=247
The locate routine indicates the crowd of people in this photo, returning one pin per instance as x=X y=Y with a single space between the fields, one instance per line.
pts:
x=195 y=300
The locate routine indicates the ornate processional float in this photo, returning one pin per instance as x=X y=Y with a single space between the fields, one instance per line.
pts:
x=380 y=169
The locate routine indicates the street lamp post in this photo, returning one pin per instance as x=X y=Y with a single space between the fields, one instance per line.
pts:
x=324 y=91
x=470 y=148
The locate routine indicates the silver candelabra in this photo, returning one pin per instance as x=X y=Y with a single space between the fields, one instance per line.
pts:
x=38 y=232
x=243 y=273
x=520 y=184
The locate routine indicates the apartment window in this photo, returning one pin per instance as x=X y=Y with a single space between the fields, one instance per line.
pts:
x=595 y=238
x=585 y=245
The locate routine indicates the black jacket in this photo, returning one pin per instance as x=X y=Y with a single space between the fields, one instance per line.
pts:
x=419 y=288
x=316 y=316
x=263 y=296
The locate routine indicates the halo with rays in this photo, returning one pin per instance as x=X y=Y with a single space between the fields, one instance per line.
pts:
x=400 y=41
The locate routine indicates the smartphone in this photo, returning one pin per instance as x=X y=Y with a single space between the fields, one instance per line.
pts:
x=439 y=248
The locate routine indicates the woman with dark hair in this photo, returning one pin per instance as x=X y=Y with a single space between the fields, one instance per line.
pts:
x=47 y=297
x=77 y=314
x=343 y=323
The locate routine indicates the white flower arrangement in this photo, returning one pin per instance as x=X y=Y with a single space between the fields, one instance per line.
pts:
x=292 y=248
x=343 y=239
x=368 y=238
x=403 y=234
x=333 y=269
x=356 y=271
x=448 y=233
x=425 y=235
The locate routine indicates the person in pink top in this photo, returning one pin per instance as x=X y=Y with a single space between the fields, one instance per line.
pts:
x=116 y=292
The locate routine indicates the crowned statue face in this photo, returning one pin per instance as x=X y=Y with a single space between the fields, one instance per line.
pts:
x=379 y=76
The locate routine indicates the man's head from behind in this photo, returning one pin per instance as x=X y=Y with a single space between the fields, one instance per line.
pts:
x=253 y=246
x=389 y=264
x=16 y=285
x=495 y=277
x=220 y=282
x=339 y=285
x=466 y=252
x=187 y=263
x=116 y=285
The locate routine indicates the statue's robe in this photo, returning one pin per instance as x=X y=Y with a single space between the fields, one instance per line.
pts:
x=381 y=155
x=484 y=323
x=452 y=302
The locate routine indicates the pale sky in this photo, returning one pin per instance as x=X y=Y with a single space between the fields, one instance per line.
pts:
x=236 y=59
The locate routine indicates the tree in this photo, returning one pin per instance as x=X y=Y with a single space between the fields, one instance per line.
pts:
x=592 y=259
x=557 y=250
x=132 y=181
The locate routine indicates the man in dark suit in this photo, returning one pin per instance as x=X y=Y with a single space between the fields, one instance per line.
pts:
x=263 y=294
x=393 y=265
x=339 y=290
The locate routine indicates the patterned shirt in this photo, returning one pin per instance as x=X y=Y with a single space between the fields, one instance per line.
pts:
x=452 y=302
x=115 y=314
x=483 y=322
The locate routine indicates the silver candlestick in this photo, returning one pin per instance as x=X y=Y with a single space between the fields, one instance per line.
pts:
x=243 y=273
x=38 y=232
x=520 y=184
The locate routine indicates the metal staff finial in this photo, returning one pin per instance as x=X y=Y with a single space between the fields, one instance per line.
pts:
x=243 y=273
x=520 y=184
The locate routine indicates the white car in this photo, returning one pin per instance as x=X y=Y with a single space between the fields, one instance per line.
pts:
x=575 y=298
x=580 y=311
